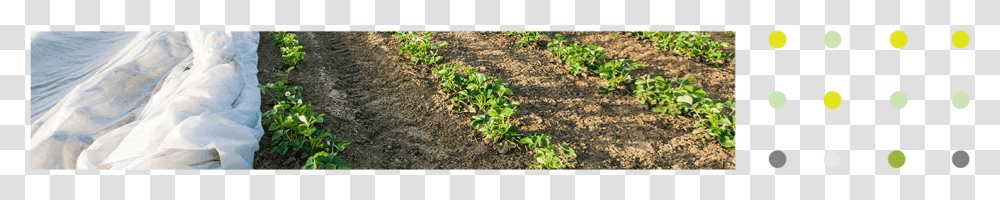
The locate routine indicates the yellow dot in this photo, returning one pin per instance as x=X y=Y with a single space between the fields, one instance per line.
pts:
x=960 y=39
x=898 y=39
x=832 y=100
x=777 y=39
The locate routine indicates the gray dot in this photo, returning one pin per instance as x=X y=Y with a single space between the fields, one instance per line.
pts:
x=777 y=159
x=832 y=159
x=960 y=159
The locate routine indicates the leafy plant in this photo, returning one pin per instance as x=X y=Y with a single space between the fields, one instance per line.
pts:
x=689 y=44
x=667 y=98
x=291 y=49
x=488 y=97
x=496 y=123
x=451 y=80
x=295 y=127
x=293 y=121
x=615 y=72
x=527 y=37
x=419 y=47
x=720 y=122
x=324 y=160
x=579 y=57
x=549 y=156
x=682 y=95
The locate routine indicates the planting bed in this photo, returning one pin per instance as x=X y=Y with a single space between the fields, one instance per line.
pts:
x=395 y=118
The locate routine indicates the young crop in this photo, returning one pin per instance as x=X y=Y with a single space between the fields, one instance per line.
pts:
x=496 y=123
x=682 y=95
x=455 y=84
x=419 y=47
x=615 y=72
x=667 y=98
x=291 y=49
x=488 y=98
x=527 y=37
x=451 y=80
x=689 y=44
x=325 y=160
x=579 y=57
x=549 y=156
x=720 y=121
x=294 y=123
x=282 y=90
x=556 y=42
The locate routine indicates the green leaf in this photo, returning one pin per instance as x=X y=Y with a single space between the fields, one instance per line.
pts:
x=726 y=122
x=685 y=99
x=605 y=89
x=282 y=148
x=507 y=112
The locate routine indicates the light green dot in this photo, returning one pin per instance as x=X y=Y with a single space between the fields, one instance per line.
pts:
x=960 y=100
x=898 y=100
x=832 y=39
x=897 y=159
x=777 y=100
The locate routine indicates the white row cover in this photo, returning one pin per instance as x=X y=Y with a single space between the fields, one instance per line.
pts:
x=144 y=100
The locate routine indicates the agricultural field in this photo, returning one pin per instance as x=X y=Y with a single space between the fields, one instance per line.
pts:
x=497 y=100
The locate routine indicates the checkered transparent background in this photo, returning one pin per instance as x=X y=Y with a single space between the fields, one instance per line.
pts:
x=864 y=69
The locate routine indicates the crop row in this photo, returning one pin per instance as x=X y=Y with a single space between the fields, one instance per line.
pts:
x=684 y=96
x=673 y=97
x=293 y=121
x=589 y=58
x=689 y=44
x=488 y=98
x=418 y=46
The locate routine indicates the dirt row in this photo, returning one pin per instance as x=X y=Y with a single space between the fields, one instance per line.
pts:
x=392 y=113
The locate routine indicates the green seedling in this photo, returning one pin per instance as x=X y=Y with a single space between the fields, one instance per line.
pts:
x=682 y=95
x=294 y=122
x=419 y=47
x=547 y=155
x=665 y=98
x=688 y=44
x=527 y=37
x=579 y=57
x=615 y=72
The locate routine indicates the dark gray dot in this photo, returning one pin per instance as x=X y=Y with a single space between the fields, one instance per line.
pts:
x=777 y=159
x=960 y=159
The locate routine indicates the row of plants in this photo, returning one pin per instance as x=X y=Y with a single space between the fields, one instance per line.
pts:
x=688 y=44
x=419 y=47
x=527 y=37
x=684 y=96
x=664 y=96
x=487 y=97
x=293 y=121
x=589 y=58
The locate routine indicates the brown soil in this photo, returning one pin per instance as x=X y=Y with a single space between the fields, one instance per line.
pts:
x=395 y=118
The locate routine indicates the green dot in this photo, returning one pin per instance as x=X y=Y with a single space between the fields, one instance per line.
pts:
x=897 y=159
x=960 y=100
x=898 y=100
x=777 y=100
x=832 y=39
